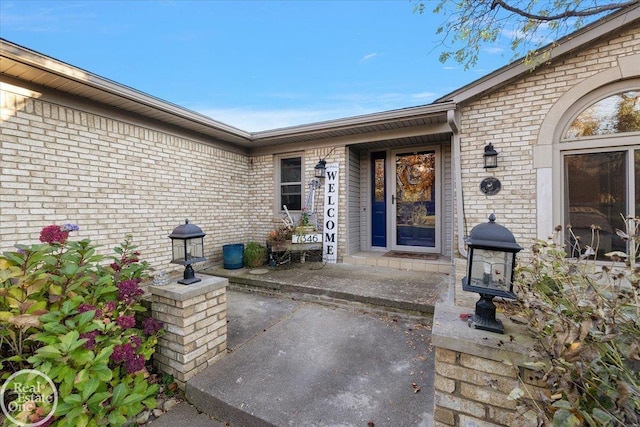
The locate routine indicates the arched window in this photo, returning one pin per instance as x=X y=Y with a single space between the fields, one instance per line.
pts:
x=614 y=114
x=600 y=160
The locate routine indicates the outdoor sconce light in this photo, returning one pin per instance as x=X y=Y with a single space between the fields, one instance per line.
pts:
x=320 y=168
x=490 y=157
x=188 y=248
x=490 y=264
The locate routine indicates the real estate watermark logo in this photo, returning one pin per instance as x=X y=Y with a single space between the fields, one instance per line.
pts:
x=29 y=398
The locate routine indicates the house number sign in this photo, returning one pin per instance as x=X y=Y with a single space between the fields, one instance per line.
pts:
x=490 y=186
x=306 y=238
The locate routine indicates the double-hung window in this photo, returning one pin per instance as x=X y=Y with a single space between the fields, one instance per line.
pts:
x=601 y=172
x=290 y=183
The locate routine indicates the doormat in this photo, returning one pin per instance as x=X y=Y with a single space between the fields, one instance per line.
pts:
x=412 y=255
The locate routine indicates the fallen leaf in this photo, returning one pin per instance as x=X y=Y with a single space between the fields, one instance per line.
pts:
x=416 y=387
x=465 y=316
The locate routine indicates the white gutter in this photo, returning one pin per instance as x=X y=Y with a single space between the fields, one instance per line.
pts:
x=453 y=119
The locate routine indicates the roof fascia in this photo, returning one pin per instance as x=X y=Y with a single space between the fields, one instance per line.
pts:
x=570 y=42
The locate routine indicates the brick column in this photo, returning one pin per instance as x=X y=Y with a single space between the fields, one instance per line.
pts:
x=476 y=370
x=195 y=322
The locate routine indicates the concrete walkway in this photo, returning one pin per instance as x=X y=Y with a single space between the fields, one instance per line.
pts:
x=292 y=362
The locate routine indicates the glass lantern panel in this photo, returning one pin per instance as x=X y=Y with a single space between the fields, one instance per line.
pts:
x=178 y=250
x=491 y=269
x=490 y=161
x=195 y=248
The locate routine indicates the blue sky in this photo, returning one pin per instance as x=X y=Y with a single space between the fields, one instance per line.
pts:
x=255 y=65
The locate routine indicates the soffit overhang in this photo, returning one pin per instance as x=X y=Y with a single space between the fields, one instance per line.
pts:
x=29 y=66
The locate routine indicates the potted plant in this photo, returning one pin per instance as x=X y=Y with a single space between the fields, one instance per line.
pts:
x=304 y=225
x=255 y=254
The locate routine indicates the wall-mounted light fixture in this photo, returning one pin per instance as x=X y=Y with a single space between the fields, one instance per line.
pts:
x=319 y=169
x=490 y=157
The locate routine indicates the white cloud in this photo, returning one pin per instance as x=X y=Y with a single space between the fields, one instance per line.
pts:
x=338 y=107
x=330 y=107
x=252 y=120
x=424 y=96
x=540 y=36
x=368 y=57
x=49 y=17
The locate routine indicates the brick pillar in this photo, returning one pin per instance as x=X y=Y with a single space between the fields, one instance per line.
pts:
x=195 y=322
x=476 y=370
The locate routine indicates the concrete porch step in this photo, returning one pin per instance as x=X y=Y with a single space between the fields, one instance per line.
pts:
x=367 y=288
x=430 y=264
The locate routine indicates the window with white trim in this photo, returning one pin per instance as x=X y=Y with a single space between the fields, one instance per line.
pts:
x=600 y=152
x=290 y=183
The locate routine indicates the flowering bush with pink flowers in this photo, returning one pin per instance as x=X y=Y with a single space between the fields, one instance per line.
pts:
x=74 y=317
x=52 y=234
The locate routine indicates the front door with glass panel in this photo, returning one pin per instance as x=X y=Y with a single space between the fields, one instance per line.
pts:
x=414 y=202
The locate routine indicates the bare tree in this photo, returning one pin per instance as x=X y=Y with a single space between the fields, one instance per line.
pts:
x=527 y=24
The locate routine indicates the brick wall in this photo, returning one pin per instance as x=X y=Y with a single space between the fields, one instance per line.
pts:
x=66 y=162
x=112 y=175
x=511 y=119
x=475 y=372
x=195 y=326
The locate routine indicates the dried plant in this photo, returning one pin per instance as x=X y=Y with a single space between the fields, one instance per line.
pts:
x=280 y=235
x=585 y=321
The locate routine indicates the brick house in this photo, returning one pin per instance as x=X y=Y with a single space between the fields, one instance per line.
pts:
x=79 y=148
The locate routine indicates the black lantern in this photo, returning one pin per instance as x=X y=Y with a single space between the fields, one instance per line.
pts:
x=490 y=157
x=319 y=169
x=490 y=264
x=188 y=248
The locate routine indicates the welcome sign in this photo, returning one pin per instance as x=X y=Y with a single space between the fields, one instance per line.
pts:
x=330 y=240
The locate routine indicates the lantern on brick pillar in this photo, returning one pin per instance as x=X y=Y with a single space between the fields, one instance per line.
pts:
x=187 y=244
x=490 y=265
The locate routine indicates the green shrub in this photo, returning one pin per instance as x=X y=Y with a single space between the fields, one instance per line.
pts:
x=68 y=314
x=585 y=320
x=255 y=254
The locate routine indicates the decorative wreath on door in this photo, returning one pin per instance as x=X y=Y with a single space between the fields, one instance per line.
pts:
x=416 y=175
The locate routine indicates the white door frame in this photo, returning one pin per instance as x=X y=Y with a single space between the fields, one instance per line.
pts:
x=392 y=235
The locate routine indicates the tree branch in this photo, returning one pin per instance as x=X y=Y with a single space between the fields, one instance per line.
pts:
x=566 y=14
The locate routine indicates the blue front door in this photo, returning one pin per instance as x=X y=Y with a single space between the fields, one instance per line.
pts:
x=378 y=197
